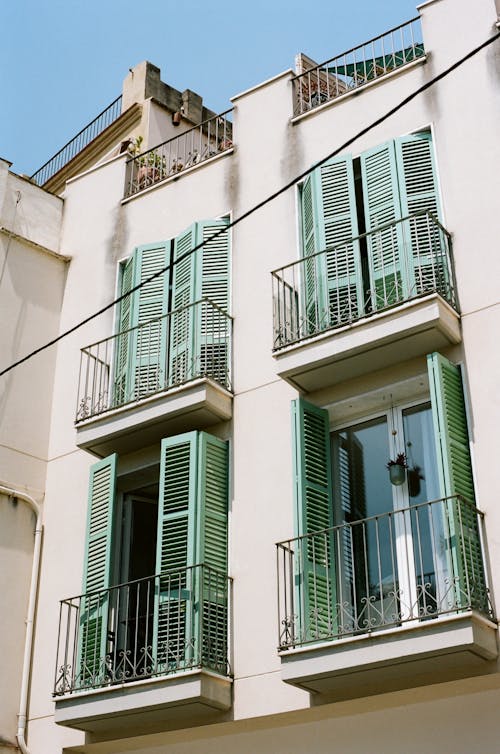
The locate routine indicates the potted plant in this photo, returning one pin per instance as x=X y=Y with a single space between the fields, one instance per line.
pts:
x=397 y=469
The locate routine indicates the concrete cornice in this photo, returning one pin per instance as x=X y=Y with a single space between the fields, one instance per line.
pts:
x=120 y=128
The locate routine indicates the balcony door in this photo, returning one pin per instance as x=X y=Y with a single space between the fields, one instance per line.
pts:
x=389 y=567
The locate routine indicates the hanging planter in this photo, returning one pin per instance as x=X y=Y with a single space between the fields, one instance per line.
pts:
x=397 y=470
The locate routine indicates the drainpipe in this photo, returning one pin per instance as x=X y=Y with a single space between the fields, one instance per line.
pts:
x=28 y=644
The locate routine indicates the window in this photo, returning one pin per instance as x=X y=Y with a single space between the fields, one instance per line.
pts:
x=373 y=555
x=377 y=220
x=175 y=328
x=155 y=576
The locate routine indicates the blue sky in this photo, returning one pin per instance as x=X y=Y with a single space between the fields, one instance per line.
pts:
x=63 y=61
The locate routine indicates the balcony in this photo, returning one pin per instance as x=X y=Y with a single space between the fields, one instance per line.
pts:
x=138 y=654
x=169 y=375
x=387 y=602
x=378 y=299
x=358 y=67
x=167 y=160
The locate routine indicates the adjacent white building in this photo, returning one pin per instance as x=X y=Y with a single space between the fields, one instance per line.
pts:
x=265 y=476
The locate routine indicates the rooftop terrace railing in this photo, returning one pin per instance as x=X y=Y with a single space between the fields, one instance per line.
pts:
x=394 y=263
x=358 y=66
x=156 y=626
x=78 y=142
x=384 y=571
x=190 y=148
x=189 y=343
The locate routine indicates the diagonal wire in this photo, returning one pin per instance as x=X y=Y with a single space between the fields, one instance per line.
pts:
x=265 y=201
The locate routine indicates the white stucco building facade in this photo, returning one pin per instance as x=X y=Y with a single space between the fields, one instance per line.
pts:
x=254 y=393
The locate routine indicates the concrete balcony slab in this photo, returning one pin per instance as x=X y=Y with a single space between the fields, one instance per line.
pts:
x=415 y=654
x=132 y=707
x=415 y=328
x=195 y=405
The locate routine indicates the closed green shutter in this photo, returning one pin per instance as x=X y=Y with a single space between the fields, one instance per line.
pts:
x=141 y=353
x=315 y=576
x=333 y=285
x=148 y=310
x=199 y=335
x=338 y=227
x=419 y=193
x=456 y=481
x=182 y=324
x=386 y=250
x=315 y=296
x=212 y=327
x=121 y=379
x=92 y=637
x=191 y=552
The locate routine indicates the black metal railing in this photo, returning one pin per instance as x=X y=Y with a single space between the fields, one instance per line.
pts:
x=164 y=624
x=391 y=569
x=190 y=148
x=358 y=66
x=405 y=259
x=189 y=343
x=78 y=142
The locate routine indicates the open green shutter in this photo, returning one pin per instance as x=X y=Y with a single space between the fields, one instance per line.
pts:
x=184 y=289
x=212 y=550
x=315 y=577
x=173 y=625
x=419 y=193
x=191 y=602
x=148 y=344
x=338 y=227
x=386 y=247
x=456 y=481
x=211 y=357
x=92 y=636
x=122 y=341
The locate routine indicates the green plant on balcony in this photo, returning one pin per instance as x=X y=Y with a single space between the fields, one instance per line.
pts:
x=151 y=166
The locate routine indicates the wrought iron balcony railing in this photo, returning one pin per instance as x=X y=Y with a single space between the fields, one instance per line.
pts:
x=388 y=570
x=378 y=270
x=78 y=142
x=210 y=138
x=184 y=345
x=156 y=626
x=358 y=66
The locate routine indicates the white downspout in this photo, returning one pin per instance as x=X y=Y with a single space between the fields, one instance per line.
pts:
x=28 y=644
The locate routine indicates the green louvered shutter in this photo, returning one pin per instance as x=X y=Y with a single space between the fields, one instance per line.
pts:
x=387 y=264
x=121 y=379
x=92 y=637
x=212 y=550
x=211 y=326
x=419 y=193
x=182 y=319
x=174 y=617
x=315 y=295
x=191 y=553
x=455 y=476
x=338 y=227
x=315 y=574
x=148 y=344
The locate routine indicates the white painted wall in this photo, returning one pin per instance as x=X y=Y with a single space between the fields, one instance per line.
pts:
x=99 y=230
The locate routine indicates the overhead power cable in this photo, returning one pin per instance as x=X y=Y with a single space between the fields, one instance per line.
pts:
x=265 y=201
